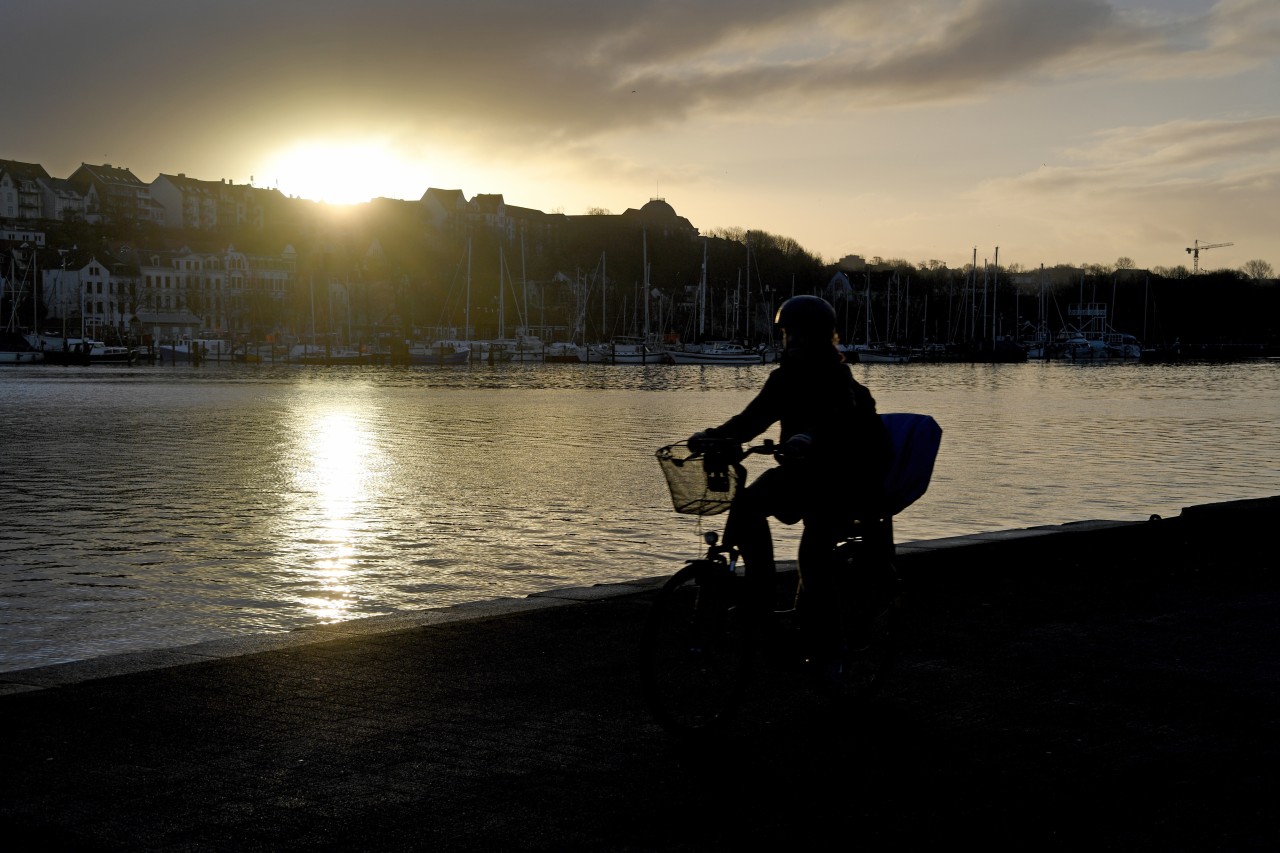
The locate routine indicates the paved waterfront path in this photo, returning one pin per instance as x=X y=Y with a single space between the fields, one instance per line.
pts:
x=1113 y=688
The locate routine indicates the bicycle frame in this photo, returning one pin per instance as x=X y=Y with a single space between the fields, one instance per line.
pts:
x=703 y=638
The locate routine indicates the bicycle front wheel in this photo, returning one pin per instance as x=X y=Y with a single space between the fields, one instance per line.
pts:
x=696 y=650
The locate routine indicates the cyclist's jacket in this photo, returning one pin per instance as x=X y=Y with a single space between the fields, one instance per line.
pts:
x=814 y=393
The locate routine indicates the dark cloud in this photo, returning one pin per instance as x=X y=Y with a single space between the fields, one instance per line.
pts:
x=546 y=71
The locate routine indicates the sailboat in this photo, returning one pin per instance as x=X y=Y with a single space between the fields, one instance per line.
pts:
x=717 y=352
x=712 y=352
x=875 y=352
x=523 y=347
x=328 y=353
x=631 y=349
x=447 y=346
x=14 y=348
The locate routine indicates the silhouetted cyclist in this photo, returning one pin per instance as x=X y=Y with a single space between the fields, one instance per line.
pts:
x=834 y=454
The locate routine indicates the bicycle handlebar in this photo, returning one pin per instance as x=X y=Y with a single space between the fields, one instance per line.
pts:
x=731 y=450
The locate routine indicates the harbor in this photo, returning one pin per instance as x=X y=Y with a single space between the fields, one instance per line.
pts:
x=233 y=500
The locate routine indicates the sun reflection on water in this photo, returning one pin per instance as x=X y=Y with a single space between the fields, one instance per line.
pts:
x=335 y=471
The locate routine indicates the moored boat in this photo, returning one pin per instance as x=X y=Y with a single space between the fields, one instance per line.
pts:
x=82 y=351
x=14 y=349
x=562 y=352
x=194 y=350
x=716 y=352
x=878 y=353
x=315 y=354
x=1093 y=339
x=440 y=352
x=623 y=349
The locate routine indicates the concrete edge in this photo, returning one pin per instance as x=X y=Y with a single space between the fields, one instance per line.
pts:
x=74 y=672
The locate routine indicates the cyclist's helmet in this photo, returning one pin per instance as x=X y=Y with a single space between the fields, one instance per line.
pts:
x=808 y=316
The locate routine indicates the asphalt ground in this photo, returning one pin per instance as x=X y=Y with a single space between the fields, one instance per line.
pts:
x=1104 y=686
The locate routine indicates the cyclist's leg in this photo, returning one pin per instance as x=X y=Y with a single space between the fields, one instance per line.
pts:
x=867 y=608
x=748 y=530
x=819 y=570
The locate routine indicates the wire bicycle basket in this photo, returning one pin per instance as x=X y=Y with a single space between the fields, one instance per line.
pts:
x=700 y=483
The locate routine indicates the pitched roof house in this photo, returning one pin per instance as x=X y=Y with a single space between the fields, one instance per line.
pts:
x=114 y=195
x=20 y=190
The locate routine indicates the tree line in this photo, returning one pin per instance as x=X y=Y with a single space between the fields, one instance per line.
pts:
x=597 y=276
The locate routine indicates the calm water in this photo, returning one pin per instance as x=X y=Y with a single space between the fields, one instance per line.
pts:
x=155 y=506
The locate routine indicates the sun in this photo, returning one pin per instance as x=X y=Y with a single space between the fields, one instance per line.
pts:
x=345 y=171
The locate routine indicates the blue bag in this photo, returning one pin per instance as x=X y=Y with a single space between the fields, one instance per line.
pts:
x=915 y=440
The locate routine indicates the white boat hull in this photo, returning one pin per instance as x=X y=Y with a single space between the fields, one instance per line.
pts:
x=881 y=358
x=621 y=354
x=689 y=357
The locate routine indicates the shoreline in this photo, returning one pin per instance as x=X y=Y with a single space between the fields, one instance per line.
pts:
x=926 y=561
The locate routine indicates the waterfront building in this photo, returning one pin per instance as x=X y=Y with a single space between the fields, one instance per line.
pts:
x=60 y=201
x=198 y=205
x=228 y=292
x=20 y=190
x=114 y=195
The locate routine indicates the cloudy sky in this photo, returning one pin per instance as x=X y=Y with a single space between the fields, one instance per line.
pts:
x=1061 y=131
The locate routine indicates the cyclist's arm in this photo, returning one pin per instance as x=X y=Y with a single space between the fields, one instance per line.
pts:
x=764 y=410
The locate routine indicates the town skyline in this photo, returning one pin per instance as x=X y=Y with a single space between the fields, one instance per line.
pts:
x=920 y=130
x=182 y=186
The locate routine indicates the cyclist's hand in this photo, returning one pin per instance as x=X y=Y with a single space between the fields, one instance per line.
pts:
x=797 y=448
x=702 y=442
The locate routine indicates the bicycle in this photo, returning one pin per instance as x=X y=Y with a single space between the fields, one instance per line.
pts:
x=705 y=638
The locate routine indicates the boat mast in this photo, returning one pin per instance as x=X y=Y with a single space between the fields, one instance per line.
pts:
x=330 y=333
x=35 y=295
x=746 y=314
x=702 y=295
x=82 y=309
x=888 y=307
x=311 y=284
x=905 y=304
x=867 y=312
x=466 y=314
x=62 y=293
x=973 y=294
x=995 y=283
x=645 y=290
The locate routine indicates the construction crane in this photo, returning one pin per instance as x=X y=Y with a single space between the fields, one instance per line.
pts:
x=1194 y=252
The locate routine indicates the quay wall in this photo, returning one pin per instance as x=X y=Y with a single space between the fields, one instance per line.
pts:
x=1206 y=539
x=1214 y=543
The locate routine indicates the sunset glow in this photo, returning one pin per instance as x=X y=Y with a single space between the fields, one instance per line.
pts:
x=344 y=172
x=912 y=129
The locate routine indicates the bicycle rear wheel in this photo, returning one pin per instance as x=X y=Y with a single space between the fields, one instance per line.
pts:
x=871 y=635
x=696 y=650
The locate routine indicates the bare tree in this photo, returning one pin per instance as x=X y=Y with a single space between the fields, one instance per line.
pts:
x=1124 y=262
x=1258 y=270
